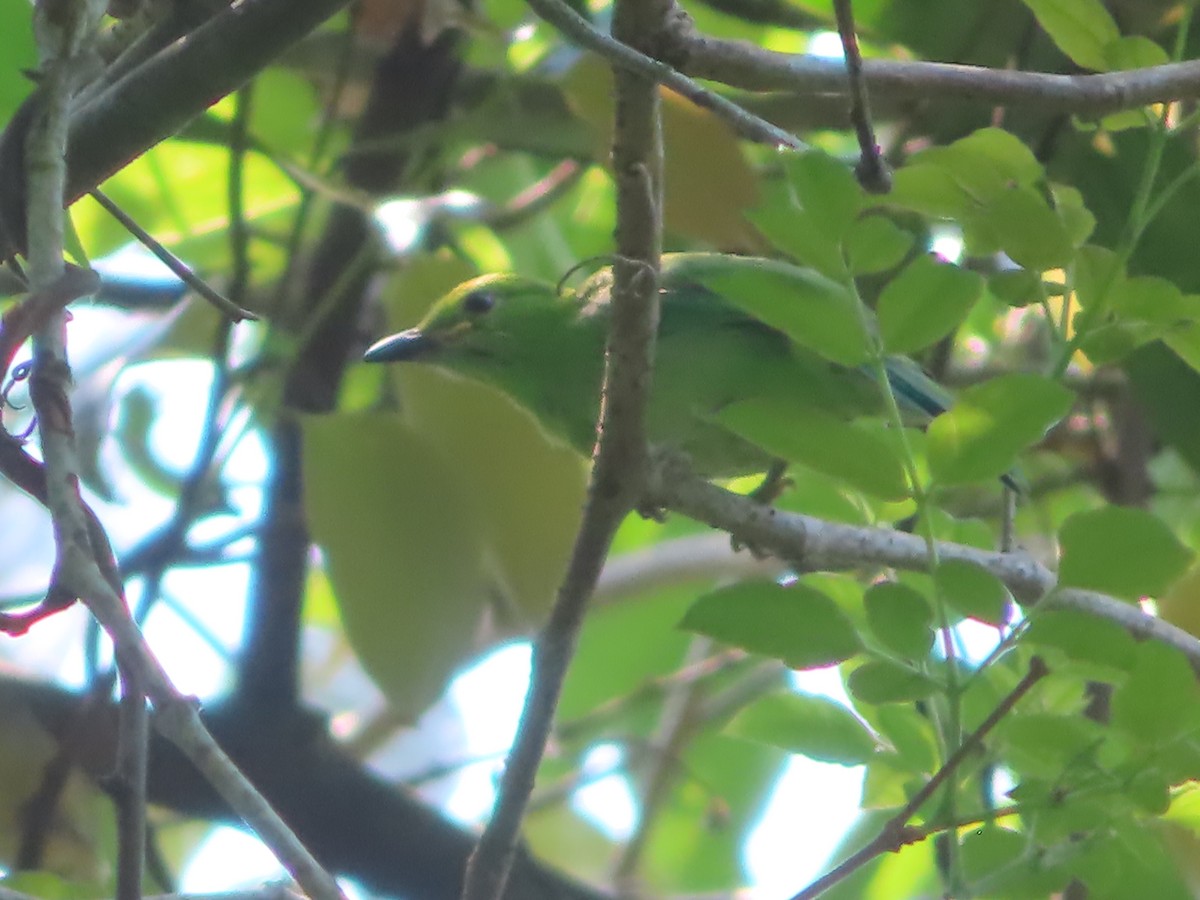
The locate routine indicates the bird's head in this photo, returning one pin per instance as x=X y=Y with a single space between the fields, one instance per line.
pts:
x=543 y=350
x=491 y=318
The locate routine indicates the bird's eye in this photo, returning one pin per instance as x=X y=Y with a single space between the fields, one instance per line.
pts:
x=478 y=303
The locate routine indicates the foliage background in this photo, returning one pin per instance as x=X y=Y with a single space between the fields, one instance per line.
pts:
x=415 y=522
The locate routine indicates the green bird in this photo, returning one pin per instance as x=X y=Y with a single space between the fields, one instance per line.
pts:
x=546 y=351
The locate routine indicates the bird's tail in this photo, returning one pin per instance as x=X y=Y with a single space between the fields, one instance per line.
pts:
x=916 y=392
x=921 y=398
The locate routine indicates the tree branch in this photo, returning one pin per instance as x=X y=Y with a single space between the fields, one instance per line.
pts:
x=811 y=544
x=359 y=823
x=895 y=832
x=155 y=98
x=743 y=65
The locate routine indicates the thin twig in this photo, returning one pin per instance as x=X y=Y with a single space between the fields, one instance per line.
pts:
x=676 y=725
x=871 y=170
x=128 y=788
x=171 y=539
x=594 y=720
x=896 y=833
x=576 y=28
x=171 y=261
x=536 y=198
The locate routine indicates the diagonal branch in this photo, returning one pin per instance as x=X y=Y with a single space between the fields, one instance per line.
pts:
x=625 y=58
x=896 y=832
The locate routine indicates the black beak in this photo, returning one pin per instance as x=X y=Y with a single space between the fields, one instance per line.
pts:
x=407 y=345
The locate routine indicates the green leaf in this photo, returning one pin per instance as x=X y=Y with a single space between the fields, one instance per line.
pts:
x=1077 y=219
x=698 y=837
x=1129 y=859
x=1010 y=865
x=1185 y=808
x=827 y=190
x=527 y=488
x=409 y=578
x=71 y=242
x=986 y=851
x=988 y=161
x=930 y=190
x=965 y=176
x=974 y=592
x=1112 y=342
x=911 y=734
x=809 y=308
x=816 y=727
x=284 y=110
x=1150 y=790
x=1159 y=700
x=1145 y=298
x=800 y=235
x=1125 y=120
x=1082 y=29
x=900 y=618
x=1042 y=744
x=1016 y=287
x=1134 y=52
x=47 y=885
x=1097 y=269
x=991 y=423
x=1184 y=340
x=886 y=682
x=862 y=455
x=796 y=624
x=1129 y=553
x=876 y=244
x=20 y=56
x=621 y=647
x=1082 y=637
x=1028 y=230
x=1169 y=393
x=177 y=192
x=924 y=303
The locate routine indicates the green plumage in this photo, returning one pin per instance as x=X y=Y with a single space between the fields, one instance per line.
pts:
x=547 y=353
